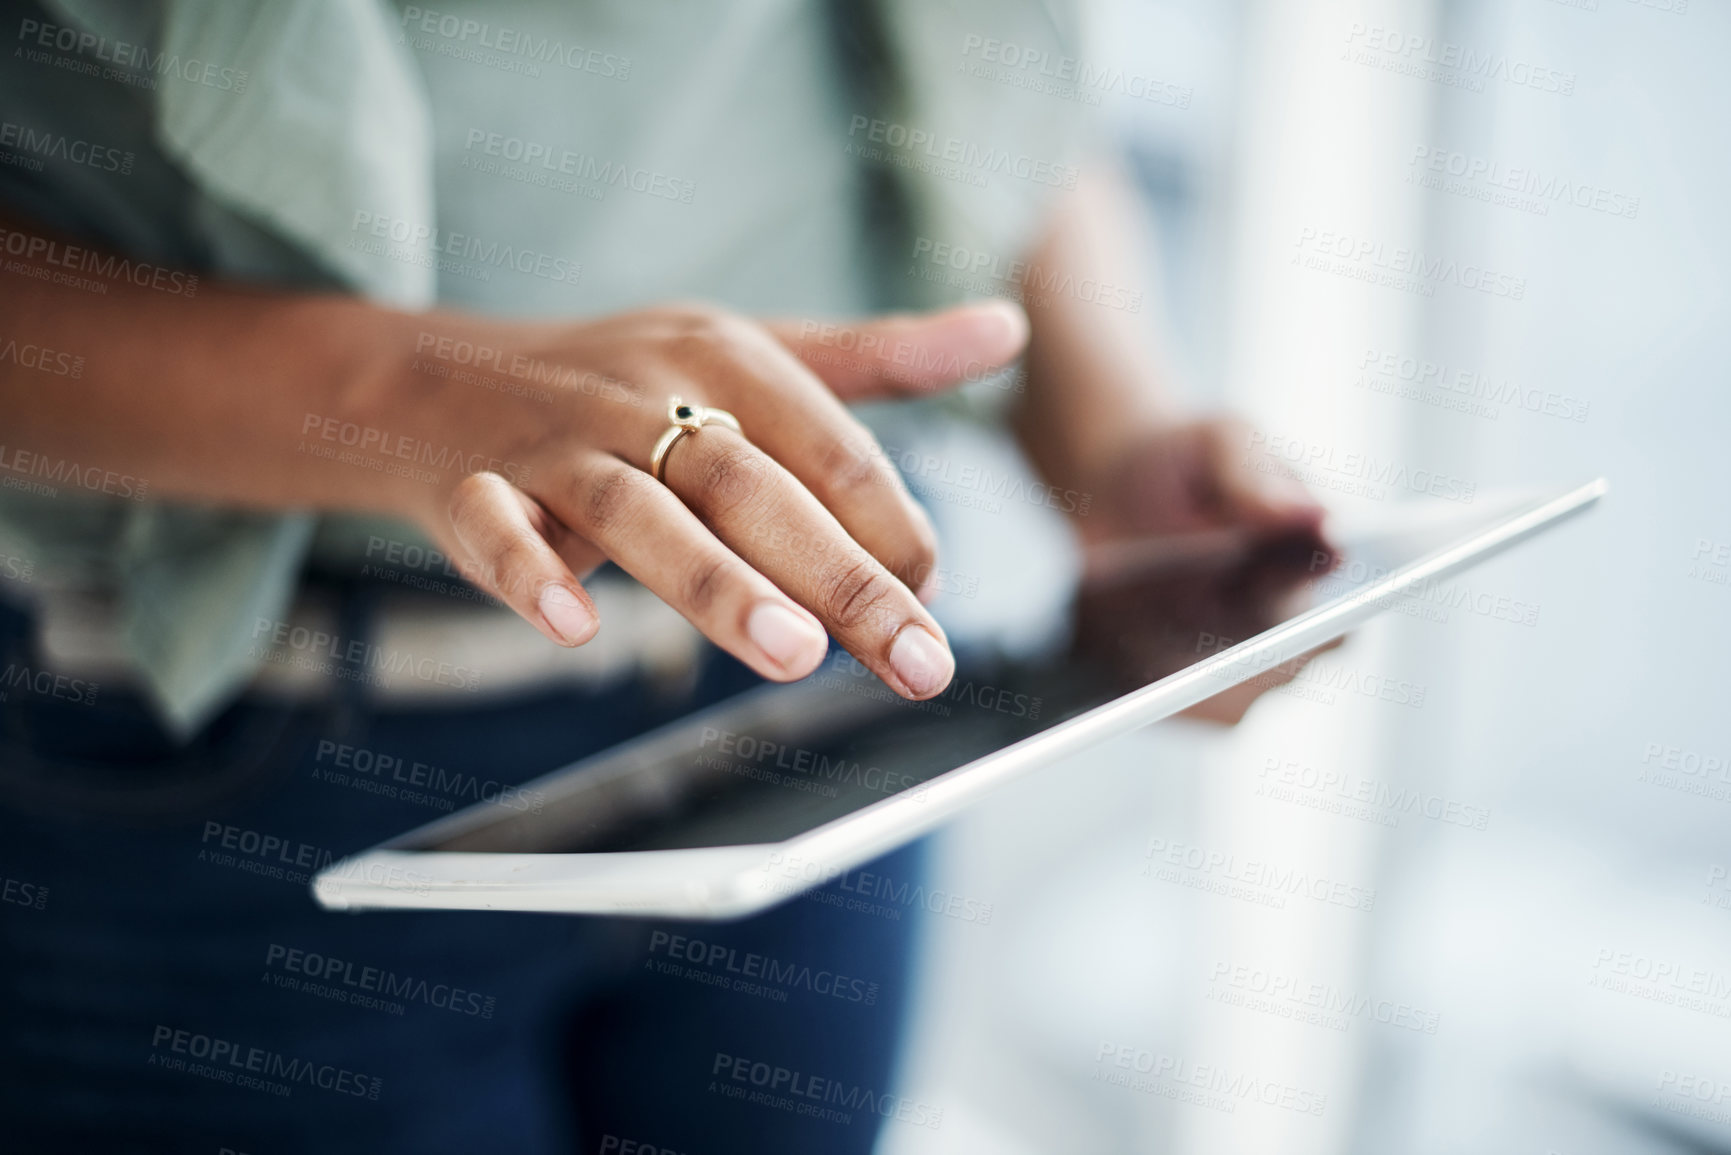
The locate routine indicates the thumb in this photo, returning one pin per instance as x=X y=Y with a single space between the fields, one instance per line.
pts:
x=907 y=354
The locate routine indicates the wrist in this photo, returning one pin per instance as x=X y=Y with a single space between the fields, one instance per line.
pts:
x=1081 y=444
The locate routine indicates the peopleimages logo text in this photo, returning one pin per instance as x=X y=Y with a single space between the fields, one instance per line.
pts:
x=962 y=153
x=108 y=266
x=37 y=34
x=367 y=439
x=378 y=981
x=227 y=1061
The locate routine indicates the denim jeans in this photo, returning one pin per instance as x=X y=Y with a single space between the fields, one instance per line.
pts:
x=168 y=983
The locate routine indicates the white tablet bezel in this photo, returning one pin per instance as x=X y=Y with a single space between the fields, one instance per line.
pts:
x=730 y=881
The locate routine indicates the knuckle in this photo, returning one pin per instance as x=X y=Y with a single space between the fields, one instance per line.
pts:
x=707 y=581
x=856 y=465
x=473 y=496
x=610 y=499
x=734 y=478
x=701 y=332
x=852 y=592
x=513 y=566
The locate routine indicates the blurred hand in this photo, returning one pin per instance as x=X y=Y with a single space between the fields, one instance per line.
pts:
x=1193 y=533
x=1139 y=624
x=1193 y=476
x=765 y=539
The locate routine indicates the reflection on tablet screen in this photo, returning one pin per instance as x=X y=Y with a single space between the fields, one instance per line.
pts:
x=776 y=762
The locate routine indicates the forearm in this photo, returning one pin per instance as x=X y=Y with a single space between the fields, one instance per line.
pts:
x=206 y=398
x=1094 y=374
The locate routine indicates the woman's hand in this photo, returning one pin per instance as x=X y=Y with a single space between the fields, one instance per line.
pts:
x=1191 y=476
x=764 y=539
x=1193 y=519
x=523 y=448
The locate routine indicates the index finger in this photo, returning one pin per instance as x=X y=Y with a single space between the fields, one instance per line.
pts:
x=737 y=490
x=905 y=354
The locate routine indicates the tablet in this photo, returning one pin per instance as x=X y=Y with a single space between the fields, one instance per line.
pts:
x=783 y=788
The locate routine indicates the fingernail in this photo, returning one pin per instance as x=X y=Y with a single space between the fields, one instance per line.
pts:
x=1011 y=316
x=570 y=618
x=921 y=661
x=792 y=642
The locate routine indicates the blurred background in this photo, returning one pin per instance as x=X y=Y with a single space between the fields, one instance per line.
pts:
x=1484 y=239
x=1480 y=239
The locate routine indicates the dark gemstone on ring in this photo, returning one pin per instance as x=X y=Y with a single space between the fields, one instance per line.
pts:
x=684 y=413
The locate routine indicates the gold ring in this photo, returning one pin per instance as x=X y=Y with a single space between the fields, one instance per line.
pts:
x=685 y=419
